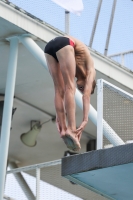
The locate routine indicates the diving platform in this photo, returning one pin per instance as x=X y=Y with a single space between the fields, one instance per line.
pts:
x=108 y=172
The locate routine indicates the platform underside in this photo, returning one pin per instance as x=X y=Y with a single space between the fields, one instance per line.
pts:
x=108 y=172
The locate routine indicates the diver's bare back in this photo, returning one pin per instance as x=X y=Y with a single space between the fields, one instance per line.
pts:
x=82 y=57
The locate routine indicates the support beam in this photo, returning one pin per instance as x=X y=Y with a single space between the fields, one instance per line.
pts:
x=39 y=55
x=37 y=183
x=7 y=113
x=99 y=114
x=67 y=22
x=95 y=23
x=110 y=28
x=21 y=181
x=34 y=49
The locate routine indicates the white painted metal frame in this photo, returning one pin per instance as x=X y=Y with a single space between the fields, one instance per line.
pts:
x=7 y=112
x=101 y=123
x=122 y=92
x=32 y=167
x=99 y=114
x=37 y=183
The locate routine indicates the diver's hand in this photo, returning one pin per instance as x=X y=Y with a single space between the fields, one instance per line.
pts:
x=79 y=130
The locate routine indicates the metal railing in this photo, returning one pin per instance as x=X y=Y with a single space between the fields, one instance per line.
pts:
x=121 y=55
x=115 y=107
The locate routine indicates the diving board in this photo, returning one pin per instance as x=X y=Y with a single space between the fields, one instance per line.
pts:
x=108 y=172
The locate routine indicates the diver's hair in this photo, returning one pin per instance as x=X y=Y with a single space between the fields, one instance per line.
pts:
x=93 y=87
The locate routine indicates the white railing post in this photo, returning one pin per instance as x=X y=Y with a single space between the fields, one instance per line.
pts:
x=37 y=183
x=7 y=113
x=99 y=114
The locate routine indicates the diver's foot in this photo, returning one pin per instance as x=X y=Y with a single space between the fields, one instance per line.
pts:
x=71 y=140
